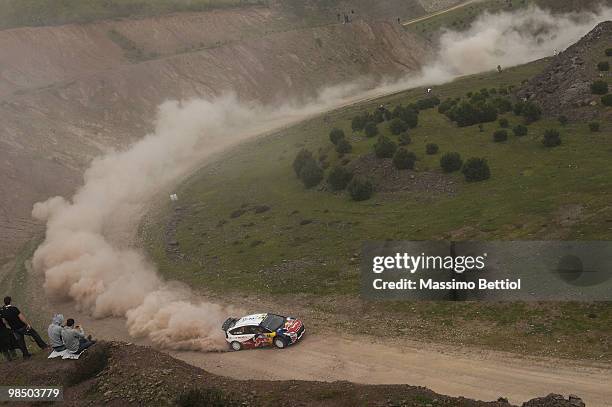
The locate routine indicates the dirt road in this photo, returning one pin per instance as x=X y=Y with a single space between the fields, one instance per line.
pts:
x=467 y=372
x=478 y=375
x=428 y=16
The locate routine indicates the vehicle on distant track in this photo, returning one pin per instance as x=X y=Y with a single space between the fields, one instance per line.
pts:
x=261 y=330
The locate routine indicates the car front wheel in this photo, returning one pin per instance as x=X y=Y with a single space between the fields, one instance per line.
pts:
x=280 y=342
x=235 y=346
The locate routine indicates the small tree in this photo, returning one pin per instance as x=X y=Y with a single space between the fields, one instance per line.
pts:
x=431 y=148
x=384 y=147
x=500 y=135
x=404 y=159
x=609 y=52
x=397 y=126
x=531 y=112
x=303 y=156
x=358 y=123
x=360 y=189
x=311 y=174
x=594 y=127
x=343 y=147
x=378 y=116
x=503 y=123
x=336 y=135
x=451 y=162
x=518 y=108
x=603 y=66
x=339 y=177
x=404 y=139
x=370 y=129
x=520 y=130
x=599 y=87
x=551 y=138
x=563 y=120
x=606 y=100
x=476 y=169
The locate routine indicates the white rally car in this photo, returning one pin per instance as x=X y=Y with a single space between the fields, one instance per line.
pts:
x=260 y=330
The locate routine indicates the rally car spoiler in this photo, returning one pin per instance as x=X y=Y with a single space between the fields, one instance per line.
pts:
x=229 y=323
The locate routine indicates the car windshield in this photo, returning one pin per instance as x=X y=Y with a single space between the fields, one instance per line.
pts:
x=273 y=322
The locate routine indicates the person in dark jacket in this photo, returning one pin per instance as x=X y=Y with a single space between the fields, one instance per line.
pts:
x=8 y=344
x=15 y=319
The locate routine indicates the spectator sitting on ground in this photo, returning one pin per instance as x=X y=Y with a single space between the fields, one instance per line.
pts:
x=74 y=337
x=17 y=322
x=55 y=333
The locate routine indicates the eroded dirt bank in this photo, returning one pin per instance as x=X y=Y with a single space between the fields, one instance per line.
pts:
x=70 y=93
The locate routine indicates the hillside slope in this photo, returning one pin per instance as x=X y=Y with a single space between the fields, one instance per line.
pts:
x=69 y=93
x=563 y=88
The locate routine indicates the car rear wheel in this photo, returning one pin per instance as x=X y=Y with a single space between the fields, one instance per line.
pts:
x=280 y=342
x=236 y=346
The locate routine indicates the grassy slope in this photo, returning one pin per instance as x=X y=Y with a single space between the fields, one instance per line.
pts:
x=525 y=199
x=16 y=13
x=461 y=18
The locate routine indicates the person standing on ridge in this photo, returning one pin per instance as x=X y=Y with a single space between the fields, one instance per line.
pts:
x=15 y=319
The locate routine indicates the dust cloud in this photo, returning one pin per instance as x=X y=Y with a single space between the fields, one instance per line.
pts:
x=86 y=257
x=506 y=39
x=83 y=256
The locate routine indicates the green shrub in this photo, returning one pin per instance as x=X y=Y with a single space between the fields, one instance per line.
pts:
x=360 y=189
x=502 y=105
x=476 y=169
x=563 y=120
x=384 y=147
x=303 y=156
x=609 y=52
x=446 y=105
x=339 y=177
x=408 y=114
x=89 y=364
x=397 y=126
x=603 y=66
x=404 y=139
x=451 y=162
x=518 y=108
x=378 y=116
x=370 y=129
x=599 y=87
x=468 y=113
x=431 y=148
x=311 y=174
x=336 y=135
x=551 y=138
x=520 y=130
x=500 y=135
x=343 y=147
x=594 y=127
x=606 y=100
x=358 y=123
x=209 y=397
x=428 y=103
x=503 y=123
x=404 y=159
x=531 y=112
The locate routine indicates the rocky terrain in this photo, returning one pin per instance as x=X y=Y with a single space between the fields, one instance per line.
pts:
x=120 y=374
x=564 y=87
